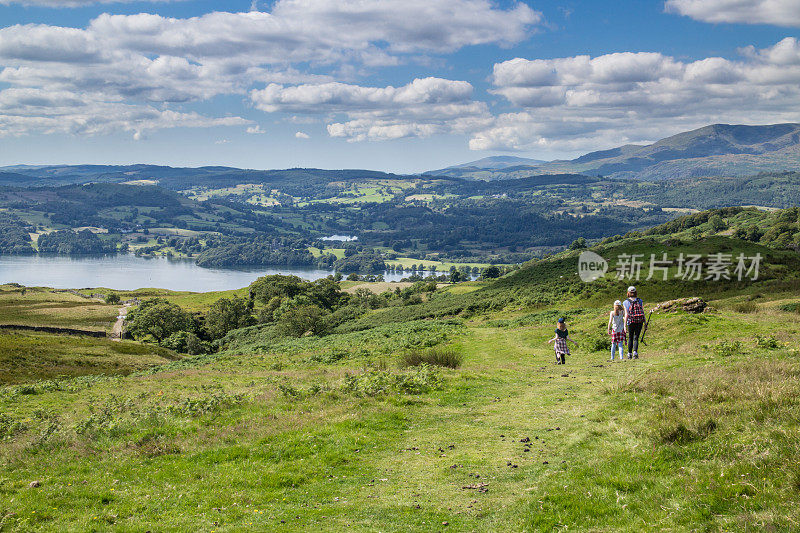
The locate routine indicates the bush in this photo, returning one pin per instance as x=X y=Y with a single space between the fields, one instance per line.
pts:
x=728 y=348
x=158 y=318
x=792 y=308
x=745 y=307
x=597 y=343
x=186 y=342
x=112 y=298
x=770 y=343
x=446 y=356
x=376 y=382
x=298 y=321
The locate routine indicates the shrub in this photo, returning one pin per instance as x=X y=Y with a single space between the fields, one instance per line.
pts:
x=770 y=343
x=298 y=321
x=597 y=343
x=9 y=427
x=728 y=348
x=745 y=307
x=112 y=298
x=792 y=308
x=376 y=382
x=446 y=356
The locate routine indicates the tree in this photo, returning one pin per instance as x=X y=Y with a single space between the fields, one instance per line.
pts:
x=112 y=298
x=578 y=244
x=267 y=287
x=227 y=314
x=158 y=318
x=716 y=223
x=297 y=321
x=491 y=272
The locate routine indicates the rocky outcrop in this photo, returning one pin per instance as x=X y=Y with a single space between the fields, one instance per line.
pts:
x=687 y=305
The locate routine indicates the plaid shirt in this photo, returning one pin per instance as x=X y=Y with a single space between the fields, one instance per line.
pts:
x=561 y=346
x=618 y=337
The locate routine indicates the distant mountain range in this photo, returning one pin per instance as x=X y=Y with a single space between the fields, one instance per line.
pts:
x=487 y=163
x=716 y=150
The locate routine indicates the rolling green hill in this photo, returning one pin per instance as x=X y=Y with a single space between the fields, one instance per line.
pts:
x=343 y=431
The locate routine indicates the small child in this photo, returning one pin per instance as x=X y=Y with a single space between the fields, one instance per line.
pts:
x=561 y=339
x=616 y=328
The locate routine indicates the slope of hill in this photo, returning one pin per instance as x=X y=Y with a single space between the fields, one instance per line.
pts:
x=337 y=432
x=715 y=150
x=178 y=178
x=487 y=163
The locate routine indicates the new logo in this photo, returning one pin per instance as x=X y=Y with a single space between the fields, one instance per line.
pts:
x=591 y=266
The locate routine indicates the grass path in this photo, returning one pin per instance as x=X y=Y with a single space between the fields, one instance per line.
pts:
x=613 y=447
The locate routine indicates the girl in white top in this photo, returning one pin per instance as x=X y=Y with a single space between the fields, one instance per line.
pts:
x=616 y=328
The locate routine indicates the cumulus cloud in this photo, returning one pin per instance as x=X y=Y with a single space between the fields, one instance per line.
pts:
x=421 y=108
x=775 y=12
x=302 y=135
x=26 y=111
x=582 y=102
x=152 y=60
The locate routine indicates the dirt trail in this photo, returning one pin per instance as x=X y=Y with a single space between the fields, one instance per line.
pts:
x=117 y=330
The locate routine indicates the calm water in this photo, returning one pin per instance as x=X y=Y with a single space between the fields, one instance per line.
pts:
x=128 y=272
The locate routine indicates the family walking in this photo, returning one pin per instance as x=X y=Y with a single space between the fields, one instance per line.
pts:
x=625 y=323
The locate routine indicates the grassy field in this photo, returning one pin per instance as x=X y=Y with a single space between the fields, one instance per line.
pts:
x=30 y=356
x=44 y=307
x=329 y=434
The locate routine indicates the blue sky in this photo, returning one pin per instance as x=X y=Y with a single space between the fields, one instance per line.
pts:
x=398 y=85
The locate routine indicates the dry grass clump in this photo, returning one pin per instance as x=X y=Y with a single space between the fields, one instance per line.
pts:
x=446 y=356
x=702 y=400
x=746 y=307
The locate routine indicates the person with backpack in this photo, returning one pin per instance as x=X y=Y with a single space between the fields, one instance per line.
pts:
x=634 y=321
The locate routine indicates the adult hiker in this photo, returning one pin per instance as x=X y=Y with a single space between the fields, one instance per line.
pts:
x=560 y=340
x=616 y=328
x=634 y=321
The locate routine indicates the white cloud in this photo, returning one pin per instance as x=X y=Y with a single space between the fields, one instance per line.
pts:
x=578 y=103
x=148 y=59
x=775 y=12
x=222 y=141
x=421 y=108
x=333 y=97
x=26 y=111
x=302 y=135
x=255 y=130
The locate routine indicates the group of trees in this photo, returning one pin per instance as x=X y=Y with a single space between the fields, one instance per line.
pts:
x=260 y=250
x=14 y=237
x=161 y=321
x=75 y=242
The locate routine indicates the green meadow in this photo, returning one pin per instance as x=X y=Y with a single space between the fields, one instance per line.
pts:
x=448 y=414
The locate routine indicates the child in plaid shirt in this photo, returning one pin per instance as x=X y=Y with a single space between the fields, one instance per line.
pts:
x=616 y=328
x=560 y=340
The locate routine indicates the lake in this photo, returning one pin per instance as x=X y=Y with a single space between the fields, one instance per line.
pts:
x=127 y=272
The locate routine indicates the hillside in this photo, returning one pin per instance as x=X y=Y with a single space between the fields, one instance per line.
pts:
x=342 y=430
x=487 y=163
x=715 y=150
x=180 y=178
